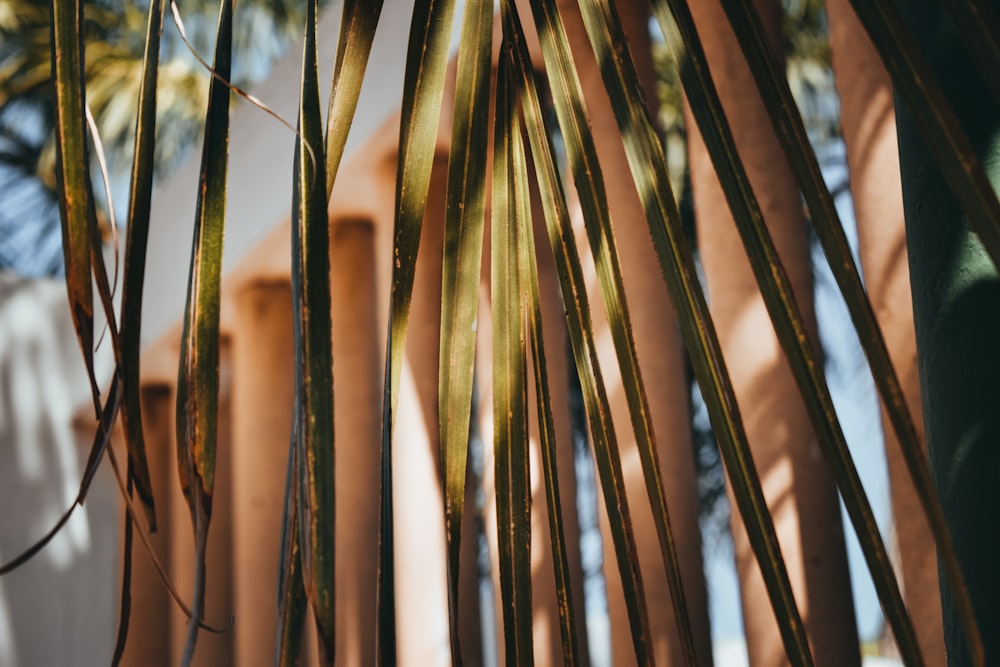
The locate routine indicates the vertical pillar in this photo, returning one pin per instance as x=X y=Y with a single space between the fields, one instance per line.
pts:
x=149 y=638
x=212 y=649
x=357 y=419
x=868 y=122
x=262 y=396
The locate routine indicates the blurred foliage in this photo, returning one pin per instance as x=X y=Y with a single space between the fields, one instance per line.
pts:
x=807 y=58
x=115 y=35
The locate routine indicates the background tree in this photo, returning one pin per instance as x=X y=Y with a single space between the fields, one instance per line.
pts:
x=115 y=34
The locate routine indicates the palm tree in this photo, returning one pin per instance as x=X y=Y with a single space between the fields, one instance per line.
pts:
x=418 y=339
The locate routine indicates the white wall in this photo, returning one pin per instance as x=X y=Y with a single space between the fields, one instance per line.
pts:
x=59 y=608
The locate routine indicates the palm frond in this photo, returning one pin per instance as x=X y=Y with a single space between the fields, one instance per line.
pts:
x=119 y=60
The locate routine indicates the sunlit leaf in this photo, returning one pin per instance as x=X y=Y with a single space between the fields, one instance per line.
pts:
x=460 y=274
x=357 y=31
x=529 y=284
x=423 y=86
x=582 y=155
x=648 y=167
x=308 y=537
x=510 y=424
x=581 y=336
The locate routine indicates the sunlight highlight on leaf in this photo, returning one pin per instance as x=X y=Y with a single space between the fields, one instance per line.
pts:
x=423 y=86
x=583 y=161
x=460 y=275
x=529 y=284
x=575 y=299
x=308 y=576
x=357 y=31
x=648 y=167
x=510 y=423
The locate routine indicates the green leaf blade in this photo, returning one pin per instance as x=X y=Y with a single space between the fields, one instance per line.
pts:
x=198 y=373
x=583 y=159
x=291 y=599
x=357 y=32
x=423 y=87
x=560 y=559
x=72 y=170
x=791 y=132
x=313 y=352
x=136 y=241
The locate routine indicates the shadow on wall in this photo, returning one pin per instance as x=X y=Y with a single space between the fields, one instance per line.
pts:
x=59 y=608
